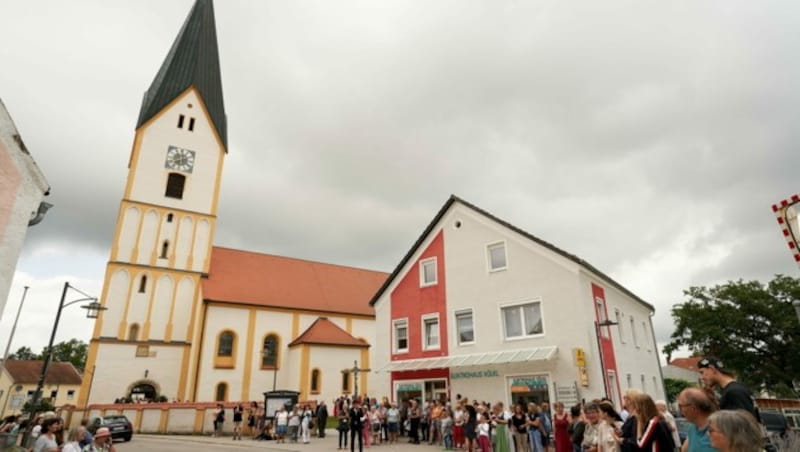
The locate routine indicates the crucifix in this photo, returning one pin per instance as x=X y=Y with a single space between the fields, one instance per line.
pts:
x=355 y=370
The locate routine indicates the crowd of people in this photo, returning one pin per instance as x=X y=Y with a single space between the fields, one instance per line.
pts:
x=47 y=434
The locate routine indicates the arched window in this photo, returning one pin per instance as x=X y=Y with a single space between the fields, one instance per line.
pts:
x=315 y=381
x=169 y=218
x=133 y=332
x=225 y=356
x=269 y=354
x=143 y=284
x=222 y=392
x=164 y=249
x=225 y=346
x=175 y=184
x=346 y=382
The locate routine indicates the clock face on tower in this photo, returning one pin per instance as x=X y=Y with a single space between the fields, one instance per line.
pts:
x=179 y=159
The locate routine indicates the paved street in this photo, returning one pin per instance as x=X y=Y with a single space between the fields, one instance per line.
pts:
x=185 y=443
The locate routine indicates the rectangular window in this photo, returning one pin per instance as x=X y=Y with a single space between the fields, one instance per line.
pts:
x=464 y=327
x=180 y=121
x=430 y=332
x=523 y=320
x=427 y=272
x=655 y=385
x=645 y=339
x=191 y=124
x=629 y=380
x=642 y=377
x=70 y=394
x=497 y=256
x=400 y=336
x=618 y=316
x=633 y=332
x=175 y=184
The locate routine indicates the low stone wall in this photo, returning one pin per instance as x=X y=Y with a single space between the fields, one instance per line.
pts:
x=189 y=418
x=175 y=417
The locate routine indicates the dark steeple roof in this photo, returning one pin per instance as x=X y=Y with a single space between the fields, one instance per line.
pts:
x=193 y=60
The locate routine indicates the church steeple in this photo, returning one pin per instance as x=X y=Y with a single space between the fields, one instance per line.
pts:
x=193 y=60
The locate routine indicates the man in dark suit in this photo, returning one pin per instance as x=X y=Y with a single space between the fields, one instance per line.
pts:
x=356 y=414
x=322 y=419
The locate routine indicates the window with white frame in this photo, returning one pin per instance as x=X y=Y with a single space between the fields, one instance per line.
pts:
x=618 y=316
x=645 y=339
x=400 y=328
x=427 y=272
x=642 y=376
x=430 y=332
x=633 y=332
x=655 y=385
x=496 y=253
x=523 y=320
x=465 y=328
x=629 y=380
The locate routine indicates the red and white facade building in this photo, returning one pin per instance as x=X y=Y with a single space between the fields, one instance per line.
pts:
x=481 y=309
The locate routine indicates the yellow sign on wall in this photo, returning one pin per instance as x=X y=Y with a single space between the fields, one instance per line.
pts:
x=580 y=357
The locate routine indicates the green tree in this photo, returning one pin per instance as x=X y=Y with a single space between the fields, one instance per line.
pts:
x=674 y=386
x=73 y=351
x=750 y=326
x=24 y=353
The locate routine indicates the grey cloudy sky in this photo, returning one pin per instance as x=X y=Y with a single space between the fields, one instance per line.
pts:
x=649 y=138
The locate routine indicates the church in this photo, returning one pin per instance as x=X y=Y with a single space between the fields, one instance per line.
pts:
x=189 y=321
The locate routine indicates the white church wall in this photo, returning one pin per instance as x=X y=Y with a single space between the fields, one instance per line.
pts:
x=147 y=238
x=122 y=368
x=128 y=233
x=184 y=242
x=161 y=307
x=117 y=293
x=331 y=361
x=151 y=420
x=201 y=245
x=218 y=320
x=182 y=311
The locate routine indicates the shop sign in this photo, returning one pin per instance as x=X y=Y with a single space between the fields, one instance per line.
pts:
x=580 y=357
x=477 y=374
x=409 y=387
x=528 y=384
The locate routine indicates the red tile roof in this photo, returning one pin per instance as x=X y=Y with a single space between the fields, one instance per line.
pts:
x=263 y=279
x=686 y=363
x=325 y=332
x=24 y=371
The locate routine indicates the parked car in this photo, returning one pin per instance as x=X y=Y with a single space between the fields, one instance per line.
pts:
x=775 y=423
x=683 y=427
x=118 y=424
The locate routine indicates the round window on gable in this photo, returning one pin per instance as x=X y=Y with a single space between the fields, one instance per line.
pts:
x=188 y=105
x=457 y=224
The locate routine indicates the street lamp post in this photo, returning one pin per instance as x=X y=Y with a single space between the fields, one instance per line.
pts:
x=597 y=326
x=93 y=310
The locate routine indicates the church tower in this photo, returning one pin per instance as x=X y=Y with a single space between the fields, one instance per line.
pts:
x=145 y=343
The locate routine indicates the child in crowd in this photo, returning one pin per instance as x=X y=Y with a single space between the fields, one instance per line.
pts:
x=447 y=429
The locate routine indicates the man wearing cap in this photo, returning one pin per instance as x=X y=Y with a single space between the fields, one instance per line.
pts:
x=102 y=441
x=734 y=395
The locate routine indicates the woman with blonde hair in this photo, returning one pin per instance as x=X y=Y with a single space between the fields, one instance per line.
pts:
x=73 y=440
x=652 y=432
x=734 y=431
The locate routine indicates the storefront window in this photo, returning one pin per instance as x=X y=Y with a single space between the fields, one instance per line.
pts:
x=528 y=388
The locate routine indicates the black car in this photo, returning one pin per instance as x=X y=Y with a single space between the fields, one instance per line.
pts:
x=775 y=423
x=118 y=424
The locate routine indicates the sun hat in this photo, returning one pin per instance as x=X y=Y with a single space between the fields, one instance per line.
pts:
x=101 y=432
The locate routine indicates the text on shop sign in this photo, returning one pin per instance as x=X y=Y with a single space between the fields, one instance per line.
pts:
x=478 y=374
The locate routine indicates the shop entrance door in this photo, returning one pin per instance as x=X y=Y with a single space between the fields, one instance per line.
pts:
x=408 y=390
x=436 y=390
x=528 y=388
